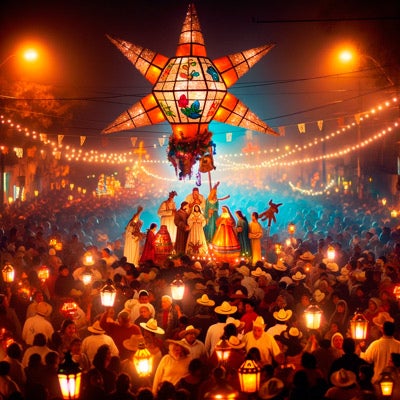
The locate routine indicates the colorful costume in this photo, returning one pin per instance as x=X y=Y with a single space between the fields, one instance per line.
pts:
x=225 y=244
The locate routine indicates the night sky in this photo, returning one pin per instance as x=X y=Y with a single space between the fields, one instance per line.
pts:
x=295 y=82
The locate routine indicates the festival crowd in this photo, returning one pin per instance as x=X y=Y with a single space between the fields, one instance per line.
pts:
x=247 y=282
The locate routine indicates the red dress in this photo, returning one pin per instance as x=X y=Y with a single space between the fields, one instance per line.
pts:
x=149 y=249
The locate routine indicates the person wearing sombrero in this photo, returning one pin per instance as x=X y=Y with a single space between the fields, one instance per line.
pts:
x=173 y=365
x=282 y=320
x=215 y=331
x=269 y=348
x=204 y=316
x=197 y=348
x=344 y=386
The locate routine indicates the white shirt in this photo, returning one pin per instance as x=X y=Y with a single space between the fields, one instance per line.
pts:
x=267 y=345
x=197 y=349
x=34 y=325
x=214 y=333
x=91 y=344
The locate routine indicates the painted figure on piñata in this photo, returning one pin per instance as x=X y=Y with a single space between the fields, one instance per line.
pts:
x=196 y=242
x=225 y=244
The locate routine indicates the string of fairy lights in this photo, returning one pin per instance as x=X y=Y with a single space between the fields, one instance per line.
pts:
x=226 y=162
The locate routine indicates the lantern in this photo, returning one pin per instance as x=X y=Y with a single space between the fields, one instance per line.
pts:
x=278 y=248
x=88 y=259
x=52 y=242
x=223 y=351
x=59 y=245
x=396 y=292
x=249 y=376
x=331 y=253
x=143 y=361
x=69 y=309
x=177 y=288
x=386 y=384
x=291 y=228
x=8 y=273
x=87 y=277
x=69 y=376
x=384 y=201
x=313 y=316
x=107 y=294
x=43 y=273
x=358 y=327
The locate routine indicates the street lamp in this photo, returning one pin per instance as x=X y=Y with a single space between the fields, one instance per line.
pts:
x=29 y=55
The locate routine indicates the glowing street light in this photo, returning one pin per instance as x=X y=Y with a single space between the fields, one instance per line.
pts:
x=30 y=55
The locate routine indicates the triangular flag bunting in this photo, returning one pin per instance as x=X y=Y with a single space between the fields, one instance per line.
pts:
x=320 y=124
x=161 y=141
x=133 y=140
x=357 y=117
x=282 y=131
x=60 y=139
x=301 y=127
x=82 y=139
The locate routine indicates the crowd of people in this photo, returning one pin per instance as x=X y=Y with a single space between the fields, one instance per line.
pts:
x=246 y=284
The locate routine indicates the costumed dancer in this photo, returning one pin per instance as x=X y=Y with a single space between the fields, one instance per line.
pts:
x=149 y=249
x=182 y=228
x=242 y=229
x=133 y=235
x=196 y=244
x=166 y=212
x=225 y=244
x=211 y=212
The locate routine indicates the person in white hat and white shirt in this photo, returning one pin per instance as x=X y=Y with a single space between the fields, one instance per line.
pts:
x=39 y=323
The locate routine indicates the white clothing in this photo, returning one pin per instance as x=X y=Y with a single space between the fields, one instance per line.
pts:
x=378 y=353
x=277 y=329
x=135 y=311
x=201 y=201
x=166 y=212
x=132 y=242
x=170 y=370
x=91 y=344
x=267 y=345
x=196 y=243
x=214 y=333
x=34 y=325
x=197 y=349
x=41 y=350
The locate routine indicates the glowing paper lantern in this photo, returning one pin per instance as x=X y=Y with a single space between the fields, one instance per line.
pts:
x=107 y=294
x=43 y=273
x=69 y=376
x=358 y=327
x=313 y=316
x=249 y=376
x=143 y=361
x=189 y=91
x=69 y=309
x=177 y=289
x=386 y=384
x=331 y=253
x=223 y=351
x=8 y=273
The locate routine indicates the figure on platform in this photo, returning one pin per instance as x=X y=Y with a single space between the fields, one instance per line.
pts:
x=164 y=246
x=196 y=244
x=133 y=235
x=255 y=235
x=211 y=212
x=182 y=228
x=149 y=249
x=242 y=229
x=225 y=244
x=166 y=212
x=196 y=198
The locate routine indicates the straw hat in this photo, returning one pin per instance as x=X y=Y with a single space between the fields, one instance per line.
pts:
x=332 y=266
x=225 y=308
x=258 y=272
x=343 y=378
x=279 y=266
x=293 y=332
x=282 y=315
x=239 y=324
x=286 y=279
x=381 y=318
x=205 y=301
x=44 y=309
x=238 y=295
x=187 y=330
x=151 y=326
x=307 y=256
x=235 y=342
x=245 y=271
x=180 y=343
x=318 y=295
x=197 y=266
x=271 y=388
x=298 y=276
x=96 y=328
x=259 y=321
x=133 y=342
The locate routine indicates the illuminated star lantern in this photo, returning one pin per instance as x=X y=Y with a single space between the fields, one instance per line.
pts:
x=189 y=91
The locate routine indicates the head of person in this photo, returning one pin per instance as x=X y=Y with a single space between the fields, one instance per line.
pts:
x=39 y=340
x=258 y=327
x=68 y=327
x=143 y=296
x=337 y=341
x=349 y=345
x=196 y=209
x=177 y=351
x=124 y=318
x=195 y=193
x=153 y=226
x=144 y=312
x=389 y=328
x=166 y=302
